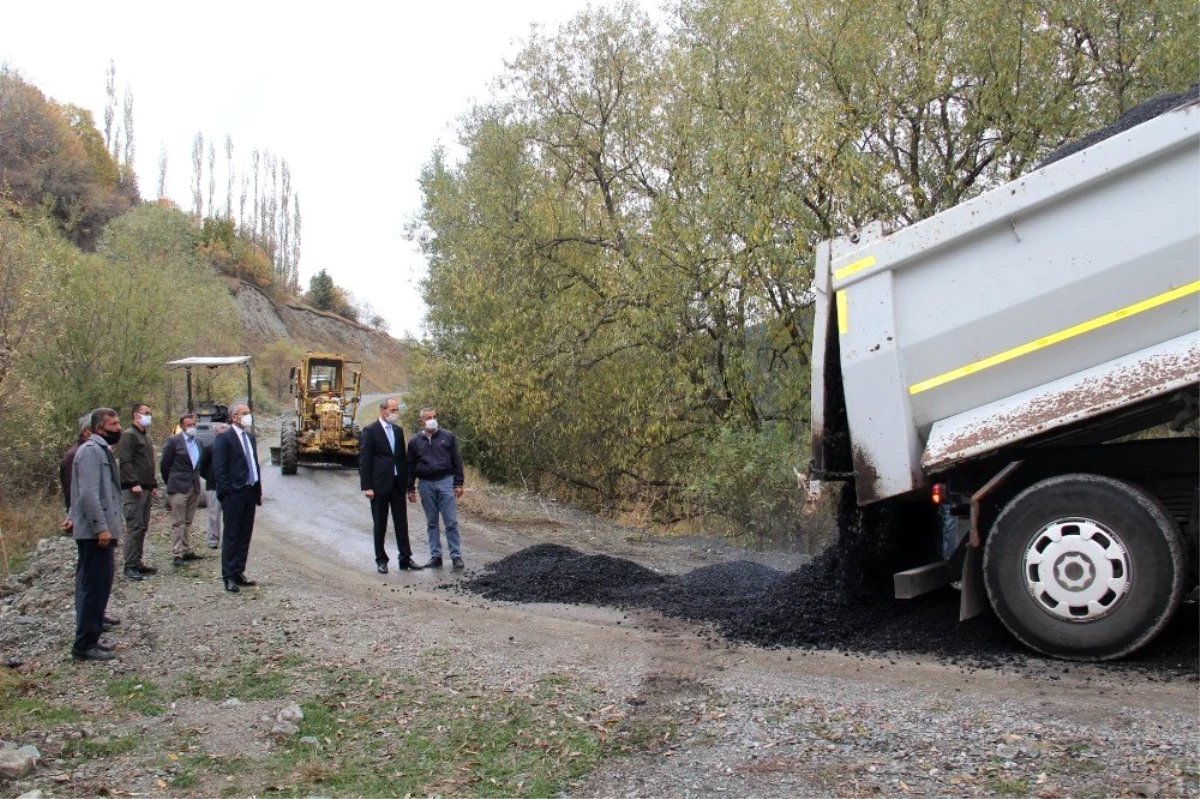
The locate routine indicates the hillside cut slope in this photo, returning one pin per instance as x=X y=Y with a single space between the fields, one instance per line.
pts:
x=384 y=358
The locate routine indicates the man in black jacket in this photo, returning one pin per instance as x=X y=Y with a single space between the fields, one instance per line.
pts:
x=139 y=484
x=180 y=470
x=383 y=475
x=434 y=458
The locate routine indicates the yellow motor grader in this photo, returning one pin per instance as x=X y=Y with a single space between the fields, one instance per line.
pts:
x=327 y=390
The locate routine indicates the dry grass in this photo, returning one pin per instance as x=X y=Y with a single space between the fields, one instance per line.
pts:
x=495 y=503
x=21 y=526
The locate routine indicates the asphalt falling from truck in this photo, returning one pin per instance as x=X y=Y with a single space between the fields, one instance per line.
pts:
x=840 y=601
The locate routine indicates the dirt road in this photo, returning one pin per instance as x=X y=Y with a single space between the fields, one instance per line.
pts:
x=707 y=717
x=642 y=652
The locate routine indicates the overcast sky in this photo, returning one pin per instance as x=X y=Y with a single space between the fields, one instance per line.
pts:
x=353 y=95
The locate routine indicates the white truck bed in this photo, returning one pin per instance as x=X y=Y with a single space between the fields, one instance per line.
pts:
x=1065 y=295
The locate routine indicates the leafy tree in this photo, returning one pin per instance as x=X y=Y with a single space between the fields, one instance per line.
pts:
x=619 y=265
x=274 y=363
x=321 y=291
x=198 y=176
x=139 y=301
x=52 y=162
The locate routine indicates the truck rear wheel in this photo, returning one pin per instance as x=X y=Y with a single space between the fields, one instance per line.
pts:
x=289 y=449
x=1084 y=567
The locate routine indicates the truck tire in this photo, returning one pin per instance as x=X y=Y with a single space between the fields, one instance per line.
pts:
x=1084 y=567
x=289 y=449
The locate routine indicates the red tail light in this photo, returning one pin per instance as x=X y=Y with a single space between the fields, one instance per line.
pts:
x=939 y=494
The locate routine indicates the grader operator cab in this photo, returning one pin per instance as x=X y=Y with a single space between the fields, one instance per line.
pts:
x=323 y=432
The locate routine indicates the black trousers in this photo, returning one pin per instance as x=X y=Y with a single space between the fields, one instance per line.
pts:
x=237 y=512
x=93 y=584
x=380 y=504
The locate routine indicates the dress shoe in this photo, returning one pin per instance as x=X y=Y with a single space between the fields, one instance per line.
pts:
x=381 y=567
x=409 y=563
x=243 y=580
x=192 y=556
x=231 y=585
x=109 y=621
x=457 y=563
x=177 y=561
x=144 y=569
x=105 y=647
x=131 y=573
x=434 y=563
x=95 y=653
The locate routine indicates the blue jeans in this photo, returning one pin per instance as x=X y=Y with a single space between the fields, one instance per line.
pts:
x=437 y=497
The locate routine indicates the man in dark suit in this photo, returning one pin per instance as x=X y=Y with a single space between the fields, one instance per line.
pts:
x=179 y=467
x=239 y=490
x=383 y=475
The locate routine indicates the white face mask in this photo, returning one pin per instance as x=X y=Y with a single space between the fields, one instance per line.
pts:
x=247 y=421
x=190 y=432
x=392 y=417
x=144 y=420
x=431 y=425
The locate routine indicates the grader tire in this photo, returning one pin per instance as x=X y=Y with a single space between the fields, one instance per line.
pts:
x=289 y=450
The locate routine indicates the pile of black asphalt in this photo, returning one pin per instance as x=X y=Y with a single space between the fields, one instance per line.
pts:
x=1144 y=112
x=839 y=601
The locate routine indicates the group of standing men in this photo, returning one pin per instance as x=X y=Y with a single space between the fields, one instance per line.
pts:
x=389 y=469
x=109 y=479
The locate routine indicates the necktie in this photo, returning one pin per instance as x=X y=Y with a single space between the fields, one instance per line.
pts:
x=391 y=434
x=251 y=473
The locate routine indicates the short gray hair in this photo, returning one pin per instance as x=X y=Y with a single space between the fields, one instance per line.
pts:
x=85 y=424
x=101 y=415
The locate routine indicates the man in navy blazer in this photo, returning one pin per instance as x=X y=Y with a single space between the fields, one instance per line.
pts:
x=180 y=470
x=383 y=475
x=239 y=490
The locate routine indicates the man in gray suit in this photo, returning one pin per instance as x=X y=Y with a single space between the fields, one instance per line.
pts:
x=95 y=519
x=180 y=470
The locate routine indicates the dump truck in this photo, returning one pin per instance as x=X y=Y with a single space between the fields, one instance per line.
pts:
x=1030 y=360
x=322 y=432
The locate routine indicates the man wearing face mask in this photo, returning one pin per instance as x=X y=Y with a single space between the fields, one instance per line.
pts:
x=239 y=490
x=210 y=490
x=433 y=457
x=383 y=475
x=180 y=470
x=95 y=523
x=139 y=484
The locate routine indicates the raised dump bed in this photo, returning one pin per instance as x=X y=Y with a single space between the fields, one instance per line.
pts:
x=998 y=350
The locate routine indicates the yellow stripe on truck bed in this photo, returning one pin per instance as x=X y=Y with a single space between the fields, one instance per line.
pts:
x=1055 y=338
x=856 y=266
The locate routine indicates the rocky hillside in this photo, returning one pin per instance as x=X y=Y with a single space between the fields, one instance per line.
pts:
x=266 y=322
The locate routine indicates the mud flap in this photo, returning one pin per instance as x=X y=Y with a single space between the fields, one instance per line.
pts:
x=972 y=595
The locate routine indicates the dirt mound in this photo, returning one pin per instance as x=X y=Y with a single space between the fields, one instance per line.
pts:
x=1135 y=116
x=554 y=573
x=808 y=608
